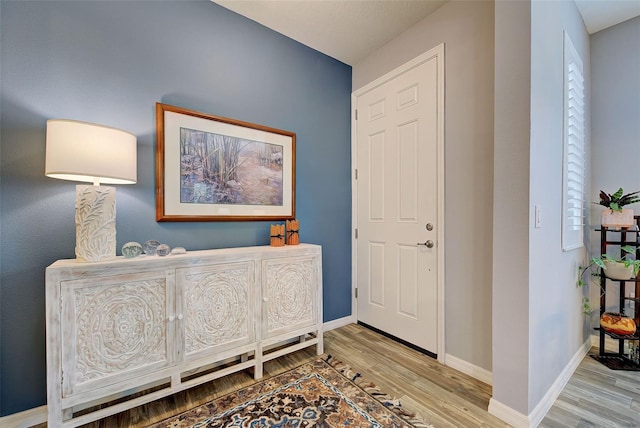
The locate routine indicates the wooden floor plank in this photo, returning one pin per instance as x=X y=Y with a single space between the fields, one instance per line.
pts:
x=595 y=396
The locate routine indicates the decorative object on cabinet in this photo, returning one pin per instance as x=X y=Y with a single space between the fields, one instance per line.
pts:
x=126 y=332
x=178 y=250
x=628 y=299
x=293 y=232
x=277 y=235
x=212 y=168
x=86 y=152
x=615 y=216
x=151 y=247
x=131 y=250
x=163 y=250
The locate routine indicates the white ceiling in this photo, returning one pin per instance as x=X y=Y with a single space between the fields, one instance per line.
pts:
x=349 y=30
x=600 y=14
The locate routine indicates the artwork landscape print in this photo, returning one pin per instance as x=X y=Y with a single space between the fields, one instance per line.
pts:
x=221 y=169
x=211 y=168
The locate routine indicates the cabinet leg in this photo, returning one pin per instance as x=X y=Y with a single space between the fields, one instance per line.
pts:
x=54 y=414
x=320 y=345
x=257 y=369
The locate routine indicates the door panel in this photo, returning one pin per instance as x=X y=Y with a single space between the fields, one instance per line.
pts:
x=397 y=137
x=113 y=328
x=289 y=294
x=217 y=306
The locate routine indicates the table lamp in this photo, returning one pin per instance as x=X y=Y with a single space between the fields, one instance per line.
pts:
x=86 y=152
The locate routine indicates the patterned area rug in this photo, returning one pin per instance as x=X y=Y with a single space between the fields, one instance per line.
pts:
x=321 y=393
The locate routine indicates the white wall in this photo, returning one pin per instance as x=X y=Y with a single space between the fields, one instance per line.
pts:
x=537 y=321
x=615 y=82
x=513 y=306
x=511 y=207
x=557 y=327
x=466 y=28
x=615 y=68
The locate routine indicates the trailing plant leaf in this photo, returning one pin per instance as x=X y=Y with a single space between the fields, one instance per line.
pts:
x=594 y=274
x=628 y=249
x=599 y=262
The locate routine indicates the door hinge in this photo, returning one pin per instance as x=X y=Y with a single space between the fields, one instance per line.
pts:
x=356 y=233
x=356 y=173
x=356 y=114
x=356 y=293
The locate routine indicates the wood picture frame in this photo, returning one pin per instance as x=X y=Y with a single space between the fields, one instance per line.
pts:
x=212 y=168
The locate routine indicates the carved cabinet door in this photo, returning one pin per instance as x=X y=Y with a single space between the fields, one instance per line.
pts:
x=290 y=294
x=113 y=328
x=216 y=306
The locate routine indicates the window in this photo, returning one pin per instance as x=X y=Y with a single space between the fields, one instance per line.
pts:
x=573 y=212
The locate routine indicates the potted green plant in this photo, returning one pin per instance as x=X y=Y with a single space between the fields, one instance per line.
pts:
x=615 y=216
x=616 y=267
x=623 y=267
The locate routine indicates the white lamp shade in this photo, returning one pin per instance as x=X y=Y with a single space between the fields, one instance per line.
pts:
x=81 y=151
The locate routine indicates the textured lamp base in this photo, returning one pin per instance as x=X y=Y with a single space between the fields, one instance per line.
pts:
x=95 y=223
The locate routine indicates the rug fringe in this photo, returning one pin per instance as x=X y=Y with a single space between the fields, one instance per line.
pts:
x=373 y=390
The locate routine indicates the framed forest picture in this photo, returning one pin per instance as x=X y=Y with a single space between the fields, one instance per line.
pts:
x=211 y=168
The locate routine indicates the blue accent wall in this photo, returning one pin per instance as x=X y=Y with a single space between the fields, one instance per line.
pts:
x=109 y=63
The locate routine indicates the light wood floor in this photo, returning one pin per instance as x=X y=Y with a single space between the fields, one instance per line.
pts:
x=594 y=397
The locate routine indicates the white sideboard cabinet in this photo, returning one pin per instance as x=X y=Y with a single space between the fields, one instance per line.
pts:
x=129 y=331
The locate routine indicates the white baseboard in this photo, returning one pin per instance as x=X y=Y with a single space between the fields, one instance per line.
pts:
x=340 y=322
x=28 y=418
x=38 y=415
x=552 y=394
x=507 y=414
x=465 y=367
x=518 y=419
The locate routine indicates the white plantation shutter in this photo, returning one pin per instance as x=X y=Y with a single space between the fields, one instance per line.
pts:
x=573 y=212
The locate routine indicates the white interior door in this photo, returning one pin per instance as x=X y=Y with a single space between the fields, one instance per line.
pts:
x=398 y=192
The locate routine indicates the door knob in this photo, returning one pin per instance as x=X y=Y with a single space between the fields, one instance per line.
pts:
x=428 y=244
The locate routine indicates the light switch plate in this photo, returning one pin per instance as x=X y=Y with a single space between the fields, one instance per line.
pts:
x=537 y=222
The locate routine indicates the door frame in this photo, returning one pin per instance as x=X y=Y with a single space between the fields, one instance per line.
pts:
x=438 y=53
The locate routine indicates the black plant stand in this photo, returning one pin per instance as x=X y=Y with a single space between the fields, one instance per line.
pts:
x=619 y=360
